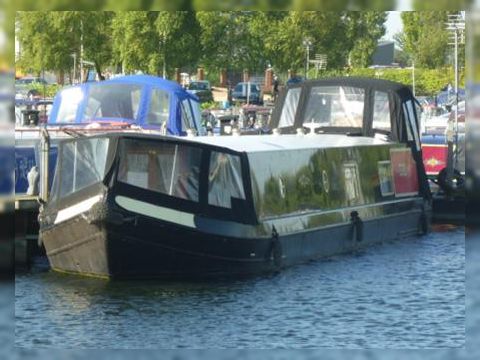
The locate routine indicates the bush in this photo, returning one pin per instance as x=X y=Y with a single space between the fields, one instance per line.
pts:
x=50 y=89
x=209 y=105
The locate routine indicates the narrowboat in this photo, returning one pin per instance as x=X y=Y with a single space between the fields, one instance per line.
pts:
x=127 y=103
x=127 y=205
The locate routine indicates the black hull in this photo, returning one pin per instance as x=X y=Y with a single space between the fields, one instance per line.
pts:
x=155 y=249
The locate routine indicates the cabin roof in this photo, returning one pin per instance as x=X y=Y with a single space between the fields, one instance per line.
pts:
x=261 y=143
x=356 y=81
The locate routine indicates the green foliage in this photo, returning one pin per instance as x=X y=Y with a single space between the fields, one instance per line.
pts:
x=425 y=38
x=50 y=89
x=49 y=39
x=135 y=41
x=367 y=27
x=209 y=105
x=232 y=40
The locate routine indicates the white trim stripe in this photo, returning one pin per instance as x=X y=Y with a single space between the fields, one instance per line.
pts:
x=77 y=209
x=157 y=212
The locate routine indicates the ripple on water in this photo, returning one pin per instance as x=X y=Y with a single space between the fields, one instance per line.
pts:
x=407 y=294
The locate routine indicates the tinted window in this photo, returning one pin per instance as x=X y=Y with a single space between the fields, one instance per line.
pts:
x=167 y=168
x=159 y=110
x=224 y=179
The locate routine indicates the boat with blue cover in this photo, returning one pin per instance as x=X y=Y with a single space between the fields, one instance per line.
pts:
x=128 y=103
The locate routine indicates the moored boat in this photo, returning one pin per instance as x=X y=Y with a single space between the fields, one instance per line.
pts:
x=139 y=205
x=129 y=103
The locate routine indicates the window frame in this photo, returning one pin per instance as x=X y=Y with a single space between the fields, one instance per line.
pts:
x=201 y=207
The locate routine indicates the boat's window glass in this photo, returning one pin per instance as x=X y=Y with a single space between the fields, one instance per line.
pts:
x=107 y=101
x=224 y=179
x=335 y=106
x=381 y=111
x=287 y=118
x=407 y=123
x=166 y=168
x=197 y=115
x=187 y=116
x=82 y=164
x=411 y=125
x=69 y=101
x=159 y=110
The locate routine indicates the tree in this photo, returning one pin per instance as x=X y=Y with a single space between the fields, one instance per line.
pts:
x=425 y=38
x=227 y=40
x=135 y=41
x=328 y=35
x=179 y=32
x=366 y=28
x=50 y=40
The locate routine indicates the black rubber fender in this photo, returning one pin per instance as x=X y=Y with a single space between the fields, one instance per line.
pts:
x=276 y=251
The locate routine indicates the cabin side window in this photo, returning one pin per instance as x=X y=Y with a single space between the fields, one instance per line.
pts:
x=411 y=124
x=224 y=179
x=335 y=106
x=167 y=168
x=287 y=118
x=381 y=111
x=82 y=163
x=159 y=110
x=107 y=101
x=187 y=116
x=70 y=99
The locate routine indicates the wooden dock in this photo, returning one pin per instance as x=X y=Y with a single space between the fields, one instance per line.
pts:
x=19 y=243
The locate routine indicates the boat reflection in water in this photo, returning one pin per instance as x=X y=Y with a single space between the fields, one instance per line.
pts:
x=137 y=205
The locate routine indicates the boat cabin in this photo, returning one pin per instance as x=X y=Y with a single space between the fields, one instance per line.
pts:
x=353 y=106
x=145 y=101
x=242 y=179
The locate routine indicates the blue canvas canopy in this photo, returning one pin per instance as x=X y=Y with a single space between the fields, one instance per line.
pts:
x=147 y=101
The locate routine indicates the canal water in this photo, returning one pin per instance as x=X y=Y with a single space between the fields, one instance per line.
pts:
x=401 y=295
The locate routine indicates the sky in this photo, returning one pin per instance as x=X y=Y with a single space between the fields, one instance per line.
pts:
x=393 y=25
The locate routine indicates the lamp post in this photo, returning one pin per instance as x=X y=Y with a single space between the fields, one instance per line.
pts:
x=456 y=26
x=74 y=55
x=307 y=43
x=163 y=43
